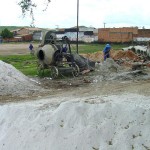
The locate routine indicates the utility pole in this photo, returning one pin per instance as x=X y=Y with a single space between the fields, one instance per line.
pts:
x=57 y=27
x=77 y=25
x=104 y=24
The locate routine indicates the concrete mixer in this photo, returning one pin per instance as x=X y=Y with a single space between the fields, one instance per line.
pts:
x=55 y=54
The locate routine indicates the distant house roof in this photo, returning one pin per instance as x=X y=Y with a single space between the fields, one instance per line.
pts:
x=33 y=29
x=15 y=30
x=30 y=29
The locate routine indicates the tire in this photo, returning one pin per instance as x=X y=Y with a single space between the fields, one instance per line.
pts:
x=76 y=71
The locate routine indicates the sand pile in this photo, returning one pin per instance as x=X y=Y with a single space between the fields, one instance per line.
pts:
x=113 y=123
x=13 y=82
x=116 y=55
x=128 y=55
x=106 y=70
x=98 y=56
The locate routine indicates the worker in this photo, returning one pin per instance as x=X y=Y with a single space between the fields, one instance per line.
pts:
x=106 y=51
x=64 y=49
x=31 y=49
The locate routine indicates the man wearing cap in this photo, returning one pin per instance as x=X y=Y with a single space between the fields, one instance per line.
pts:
x=106 y=51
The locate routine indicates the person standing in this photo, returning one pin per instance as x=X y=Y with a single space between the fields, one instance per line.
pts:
x=31 y=49
x=106 y=51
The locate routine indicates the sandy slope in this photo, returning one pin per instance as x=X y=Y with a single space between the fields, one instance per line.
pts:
x=113 y=122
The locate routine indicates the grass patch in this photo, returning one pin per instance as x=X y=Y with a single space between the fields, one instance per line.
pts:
x=91 y=48
x=25 y=63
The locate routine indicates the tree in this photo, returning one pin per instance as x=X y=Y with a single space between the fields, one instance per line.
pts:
x=28 y=6
x=6 y=33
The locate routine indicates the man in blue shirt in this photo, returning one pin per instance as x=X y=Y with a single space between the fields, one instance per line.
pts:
x=64 y=49
x=31 y=49
x=106 y=51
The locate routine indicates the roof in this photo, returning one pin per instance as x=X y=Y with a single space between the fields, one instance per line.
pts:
x=30 y=29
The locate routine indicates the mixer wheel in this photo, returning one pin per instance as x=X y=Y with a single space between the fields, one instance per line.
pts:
x=54 y=72
x=76 y=71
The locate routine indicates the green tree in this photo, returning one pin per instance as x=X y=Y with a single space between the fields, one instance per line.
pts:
x=6 y=33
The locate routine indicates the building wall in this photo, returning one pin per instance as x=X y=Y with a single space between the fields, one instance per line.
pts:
x=141 y=39
x=144 y=33
x=37 y=35
x=116 y=34
x=73 y=36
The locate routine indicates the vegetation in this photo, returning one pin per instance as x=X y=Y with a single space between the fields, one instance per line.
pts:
x=28 y=6
x=27 y=64
x=90 y=48
x=6 y=33
x=9 y=28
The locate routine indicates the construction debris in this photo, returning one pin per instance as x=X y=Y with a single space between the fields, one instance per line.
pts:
x=127 y=57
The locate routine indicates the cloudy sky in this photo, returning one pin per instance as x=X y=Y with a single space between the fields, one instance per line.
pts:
x=62 y=13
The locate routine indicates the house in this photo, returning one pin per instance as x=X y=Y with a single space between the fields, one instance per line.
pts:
x=85 y=34
x=28 y=34
x=71 y=33
x=37 y=35
x=143 y=35
x=60 y=34
x=27 y=30
x=118 y=35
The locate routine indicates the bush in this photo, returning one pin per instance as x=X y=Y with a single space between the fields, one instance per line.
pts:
x=6 y=33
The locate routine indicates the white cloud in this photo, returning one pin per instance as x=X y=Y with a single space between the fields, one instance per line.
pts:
x=91 y=13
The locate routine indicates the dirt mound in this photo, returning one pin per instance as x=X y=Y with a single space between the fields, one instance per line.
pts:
x=13 y=82
x=125 y=55
x=116 y=55
x=97 y=56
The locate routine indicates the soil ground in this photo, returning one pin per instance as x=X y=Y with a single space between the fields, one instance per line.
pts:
x=15 y=49
x=78 y=87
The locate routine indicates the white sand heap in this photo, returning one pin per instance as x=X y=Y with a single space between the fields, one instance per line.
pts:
x=13 y=82
x=118 y=123
x=106 y=70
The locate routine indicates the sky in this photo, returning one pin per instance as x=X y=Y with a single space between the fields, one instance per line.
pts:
x=92 y=13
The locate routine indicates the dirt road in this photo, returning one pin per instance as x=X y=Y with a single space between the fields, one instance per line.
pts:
x=15 y=49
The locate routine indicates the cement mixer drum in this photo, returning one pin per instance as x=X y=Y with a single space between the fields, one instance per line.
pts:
x=45 y=54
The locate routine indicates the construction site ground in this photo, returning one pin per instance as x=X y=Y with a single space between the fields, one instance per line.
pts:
x=105 y=109
x=76 y=86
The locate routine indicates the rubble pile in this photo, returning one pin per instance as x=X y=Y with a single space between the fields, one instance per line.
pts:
x=126 y=58
x=13 y=82
x=98 y=56
x=127 y=55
